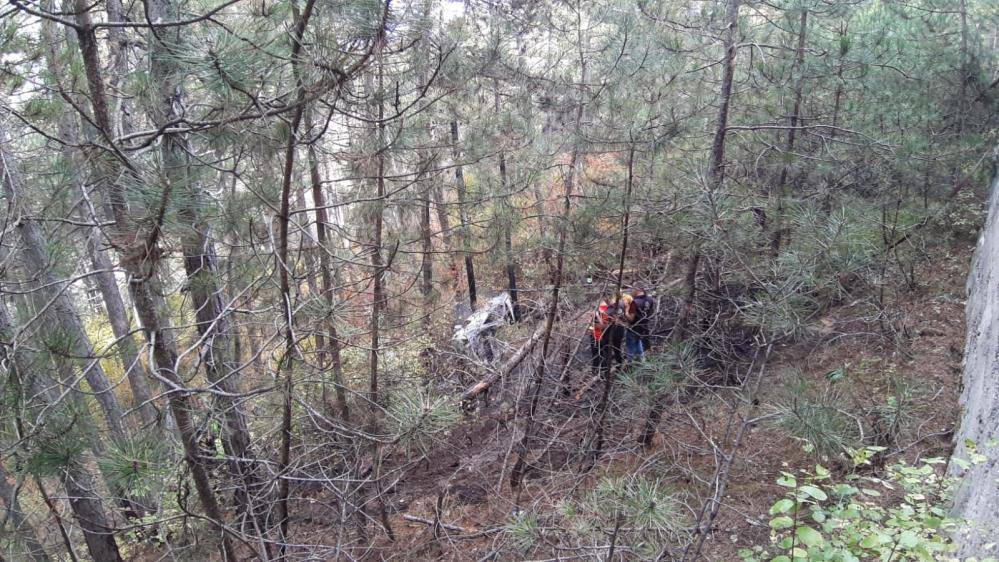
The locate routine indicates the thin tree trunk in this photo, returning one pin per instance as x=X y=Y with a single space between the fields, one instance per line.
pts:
x=140 y=263
x=86 y=507
x=799 y=62
x=332 y=340
x=18 y=521
x=965 y=75
x=844 y=47
x=63 y=532
x=608 y=376
x=511 y=263
x=284 y=267
x=377 y=303
x=716 y=170
x=466 y=239
x=717 y=166
x=427 y=249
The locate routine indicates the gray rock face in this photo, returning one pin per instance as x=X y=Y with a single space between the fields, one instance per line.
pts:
x=977 y=498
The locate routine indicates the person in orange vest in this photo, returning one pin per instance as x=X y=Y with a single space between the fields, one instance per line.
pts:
x=606 y=336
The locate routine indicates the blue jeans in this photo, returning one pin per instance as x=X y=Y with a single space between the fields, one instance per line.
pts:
x=633 y=345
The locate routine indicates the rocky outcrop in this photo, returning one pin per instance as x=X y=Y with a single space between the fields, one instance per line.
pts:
x=977 y=498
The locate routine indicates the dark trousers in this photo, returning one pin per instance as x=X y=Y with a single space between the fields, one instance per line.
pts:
x=641 y=329
x=605 y=351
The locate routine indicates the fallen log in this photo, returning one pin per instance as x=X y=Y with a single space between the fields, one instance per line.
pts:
x=465 y=533
x=432 y=523
x=507 y=367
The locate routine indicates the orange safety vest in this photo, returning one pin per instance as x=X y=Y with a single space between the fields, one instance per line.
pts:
x=601 y=318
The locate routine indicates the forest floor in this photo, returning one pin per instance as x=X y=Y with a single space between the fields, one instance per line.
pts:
x=464 y=477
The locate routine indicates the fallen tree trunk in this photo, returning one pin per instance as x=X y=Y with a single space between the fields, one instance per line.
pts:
x=465 y=533
x=507 y=367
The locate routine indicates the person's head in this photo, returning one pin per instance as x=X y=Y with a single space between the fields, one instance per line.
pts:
x=638 y=292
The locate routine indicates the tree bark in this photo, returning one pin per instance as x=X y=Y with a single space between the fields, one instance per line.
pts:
x=466 y=239
x=332 y=338
x=140 y=264
x=18 y=521
x=375 y=400
x=445 y=225
x=37 y=263
x=89 y=513
x=427 y=247
x=717 y=165
x=86 y=507
x=507 y=226
x=511 y=261
x=284 y=269
x=799 y=62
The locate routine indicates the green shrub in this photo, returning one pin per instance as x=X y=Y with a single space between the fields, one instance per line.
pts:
x=900 y=516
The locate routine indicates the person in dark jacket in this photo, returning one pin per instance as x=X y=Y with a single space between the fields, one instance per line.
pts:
x=643 y=306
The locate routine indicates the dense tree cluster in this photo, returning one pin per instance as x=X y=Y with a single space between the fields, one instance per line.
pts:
x=237 y=236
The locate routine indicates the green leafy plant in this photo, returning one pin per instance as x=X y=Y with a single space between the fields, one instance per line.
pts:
x=899 y=516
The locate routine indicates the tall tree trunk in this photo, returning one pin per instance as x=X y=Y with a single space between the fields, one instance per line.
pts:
x=965 y=74
x=17 y=520
x=427 y=243
x=716 y=174
x=511 y=260
x=140 y=264
x=466 y=238
x=377 y=264
x=284 y=270
x=507 y=226
x=332 y=338
x=37 y=263
x=844 y=47
x=86 y=506
x=799 y=71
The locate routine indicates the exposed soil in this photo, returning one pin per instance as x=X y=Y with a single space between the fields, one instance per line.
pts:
x=920 y=343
